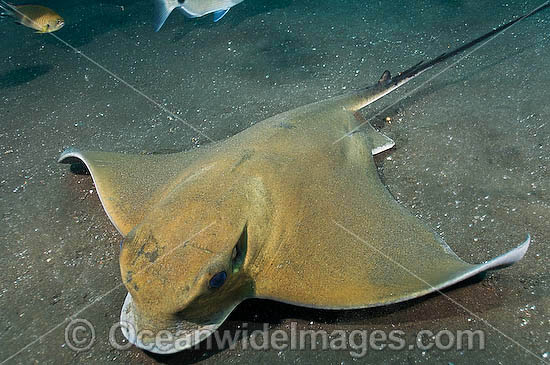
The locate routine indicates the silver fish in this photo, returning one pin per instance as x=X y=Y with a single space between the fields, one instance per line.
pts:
x=192 y=9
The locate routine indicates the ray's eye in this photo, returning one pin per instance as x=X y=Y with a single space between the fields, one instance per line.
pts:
x=217 y=280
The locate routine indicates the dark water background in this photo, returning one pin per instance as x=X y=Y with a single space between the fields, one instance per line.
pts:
x=471 y=157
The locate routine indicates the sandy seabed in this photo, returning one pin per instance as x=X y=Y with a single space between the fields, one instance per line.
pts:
x=471 y=158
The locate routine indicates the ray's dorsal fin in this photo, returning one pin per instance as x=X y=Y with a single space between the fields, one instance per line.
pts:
x=385 y=78
x=126 y=183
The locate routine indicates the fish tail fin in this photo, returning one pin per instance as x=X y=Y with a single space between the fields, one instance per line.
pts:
x=219 y=14
x=163 y=8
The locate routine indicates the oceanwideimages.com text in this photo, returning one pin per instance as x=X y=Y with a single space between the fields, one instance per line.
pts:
x=80 y=336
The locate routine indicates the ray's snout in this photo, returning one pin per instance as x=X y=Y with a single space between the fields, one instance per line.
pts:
x=161 y=335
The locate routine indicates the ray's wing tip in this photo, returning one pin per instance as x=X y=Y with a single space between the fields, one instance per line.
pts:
x=517 y=253
x=70 y=155
x=510 y=257
x=521 y=250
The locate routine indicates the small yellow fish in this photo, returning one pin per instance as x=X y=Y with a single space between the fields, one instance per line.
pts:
x=37 y=17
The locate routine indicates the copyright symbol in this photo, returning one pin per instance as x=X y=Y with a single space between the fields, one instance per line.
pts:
x=79 y=335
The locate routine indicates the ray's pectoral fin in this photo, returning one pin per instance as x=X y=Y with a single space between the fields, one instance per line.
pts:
x=125 y=183
x=393 y=277
x=427 y=270
x=380 y=142
x=446 y=274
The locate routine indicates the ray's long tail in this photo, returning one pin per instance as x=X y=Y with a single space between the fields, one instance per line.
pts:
x=387 y=84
